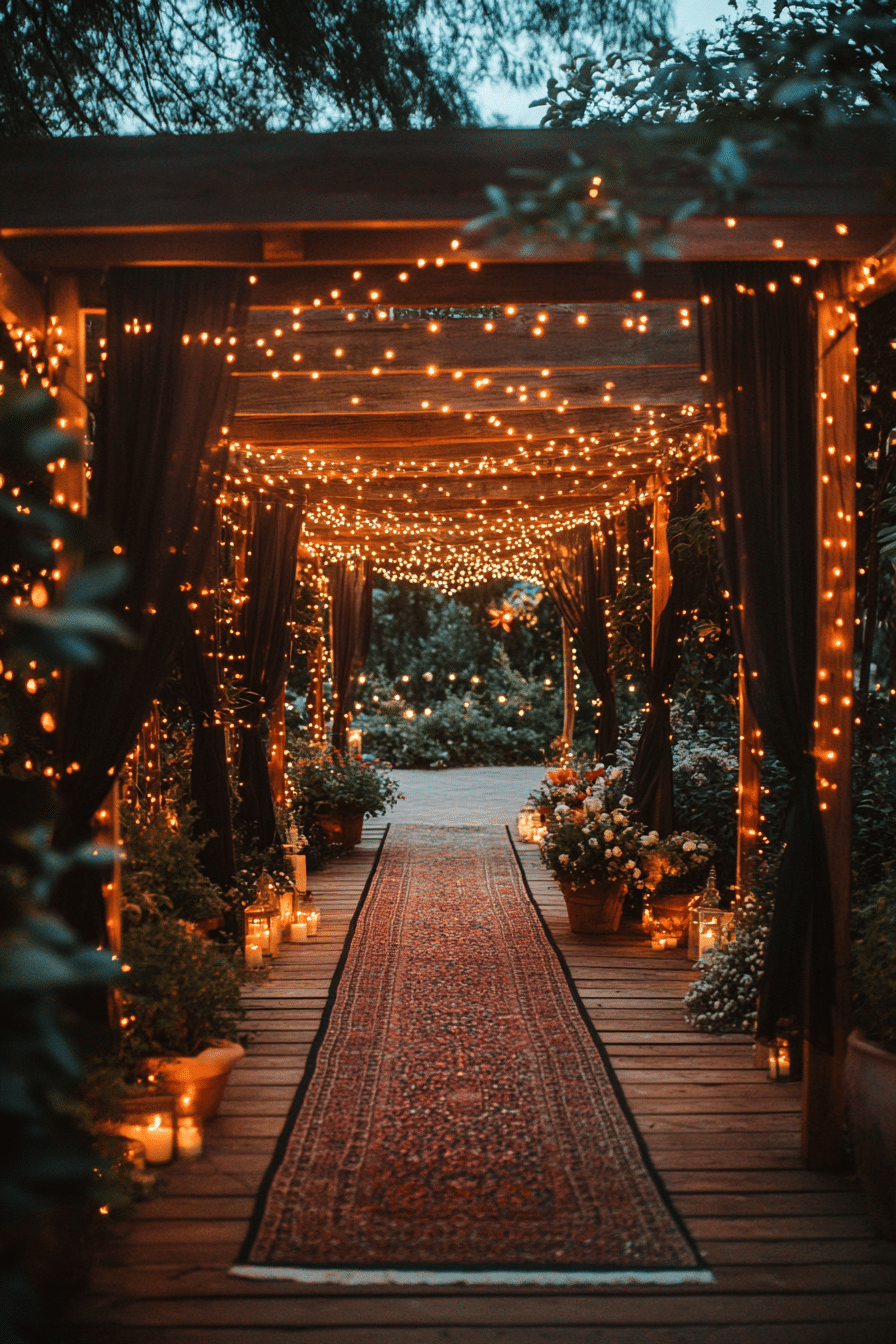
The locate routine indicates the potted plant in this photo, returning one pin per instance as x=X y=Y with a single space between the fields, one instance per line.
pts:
x=675 y=870
x=870 y=1074
x=591 y=845
x=181 y=1010
x=338 y=791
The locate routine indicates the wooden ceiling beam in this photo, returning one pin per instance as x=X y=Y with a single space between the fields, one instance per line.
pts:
x=299 y=393
x=584 y=336
x=423 y=431
x=20 y=303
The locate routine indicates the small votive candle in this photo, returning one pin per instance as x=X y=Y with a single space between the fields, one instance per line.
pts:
x=298 y=930
x=659 y=941
x=189 y=1136
x=312 y=919
x=253 y=954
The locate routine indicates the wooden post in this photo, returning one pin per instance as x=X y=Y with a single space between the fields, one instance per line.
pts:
x=107 y=833
x=277 y=748
x=749 y=781
x=569 y=687
x=151 y=734
x=822 y=1130
x=662 y=568
x=315 y=698
x=65 y=342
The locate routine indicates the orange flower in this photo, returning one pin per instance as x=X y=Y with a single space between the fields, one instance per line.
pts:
x=592 y=775
x=564 y=776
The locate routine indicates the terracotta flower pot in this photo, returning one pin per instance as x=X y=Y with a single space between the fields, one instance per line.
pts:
x=341 y=827
x=870 y=1082
x=202 y=1078
x=594 y=907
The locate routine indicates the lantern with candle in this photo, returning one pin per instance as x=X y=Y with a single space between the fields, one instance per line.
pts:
x=310 y=910
x=258 y=919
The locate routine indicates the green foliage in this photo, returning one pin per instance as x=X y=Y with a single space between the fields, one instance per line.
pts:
x=874 y=961
x=815 y=60
x=162 y=872
x=45 y=1159
x=874 y=796
x=471 y=680
x=323 y=779
x=709 y=107
x=112 y=66
x=725 y=993
x=181 y=993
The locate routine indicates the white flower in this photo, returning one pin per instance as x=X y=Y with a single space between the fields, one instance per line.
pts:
x=592 y=805
x=560 y=810
x=617 y=852
x=689 y=846
x=637 y=872
x=630 y=863
x=609 y=835
x=564 y=858
x=618 y=819
x=703 y=848
x=608 y=853
x=625 y=800
x=594 y=842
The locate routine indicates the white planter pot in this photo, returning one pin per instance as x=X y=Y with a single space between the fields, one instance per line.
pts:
x=870 y=1083
x=197 y=1081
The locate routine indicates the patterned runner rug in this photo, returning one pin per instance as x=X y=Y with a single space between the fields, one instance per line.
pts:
x=459 y=1121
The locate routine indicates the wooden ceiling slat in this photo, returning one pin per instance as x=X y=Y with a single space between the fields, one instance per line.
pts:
x=655 y=334
x=420 y=431
x=298 y=393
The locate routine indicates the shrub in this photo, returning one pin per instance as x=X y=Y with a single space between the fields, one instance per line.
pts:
x=162 y=872
x=874 y=962
x=181 y=993
x=323 y=778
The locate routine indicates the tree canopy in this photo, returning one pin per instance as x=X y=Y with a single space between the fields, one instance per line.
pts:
x=89 y=67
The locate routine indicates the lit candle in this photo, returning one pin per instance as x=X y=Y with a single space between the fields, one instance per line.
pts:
x=157 y=1138
x=253 y=954
x=298 y=930
x=189 y=1136
x=300 y=871
x=312 y=919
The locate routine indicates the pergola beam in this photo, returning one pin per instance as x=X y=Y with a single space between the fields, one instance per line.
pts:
x=20 y=303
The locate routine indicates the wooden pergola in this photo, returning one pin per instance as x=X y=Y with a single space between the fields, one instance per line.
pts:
x=442 y=411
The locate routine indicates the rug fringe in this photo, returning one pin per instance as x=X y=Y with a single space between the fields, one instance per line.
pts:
x=535 y=1278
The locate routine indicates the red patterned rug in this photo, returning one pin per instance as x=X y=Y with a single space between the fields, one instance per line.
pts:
x=459 y=1120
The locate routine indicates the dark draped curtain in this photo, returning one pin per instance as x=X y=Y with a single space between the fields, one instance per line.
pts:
x=579 y=568
x=759 y=350
x=158 y=467
x=209 y=773
x=264 y=637
x=350 y=586
x=651 y=782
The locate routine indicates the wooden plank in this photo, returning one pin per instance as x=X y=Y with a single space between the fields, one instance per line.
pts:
x=294 y=179
x=584 y=336
x=420 y=431
x=389 y=393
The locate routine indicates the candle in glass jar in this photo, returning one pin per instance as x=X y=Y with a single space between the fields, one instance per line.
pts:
x=313 y=919
x=189 y=1136
x=157 y=1137
x=298 y=930
x=253 y=954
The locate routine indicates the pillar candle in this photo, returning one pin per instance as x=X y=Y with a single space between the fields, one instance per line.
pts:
x=157 y=1137
x=313 y=919
x=298 y=930
x=189 y=1136
x=253 y=954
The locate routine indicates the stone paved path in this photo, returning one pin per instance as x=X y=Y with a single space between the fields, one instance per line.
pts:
x=478 y=796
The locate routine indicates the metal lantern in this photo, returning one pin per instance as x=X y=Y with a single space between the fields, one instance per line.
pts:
x=707 y=919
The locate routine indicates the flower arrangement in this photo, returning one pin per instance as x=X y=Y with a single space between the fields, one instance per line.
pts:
x=676 y=864
x=725 y=993
x=591 y=834
x=324 y=779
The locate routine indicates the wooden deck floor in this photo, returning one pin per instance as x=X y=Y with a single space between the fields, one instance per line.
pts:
x=795 y=1259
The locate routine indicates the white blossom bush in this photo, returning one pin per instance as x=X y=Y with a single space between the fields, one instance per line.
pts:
x=723 y=997
x=591 y=834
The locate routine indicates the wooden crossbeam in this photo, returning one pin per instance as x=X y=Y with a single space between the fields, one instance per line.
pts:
x=409 y=431
x=584 y=336
x=294 y=393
